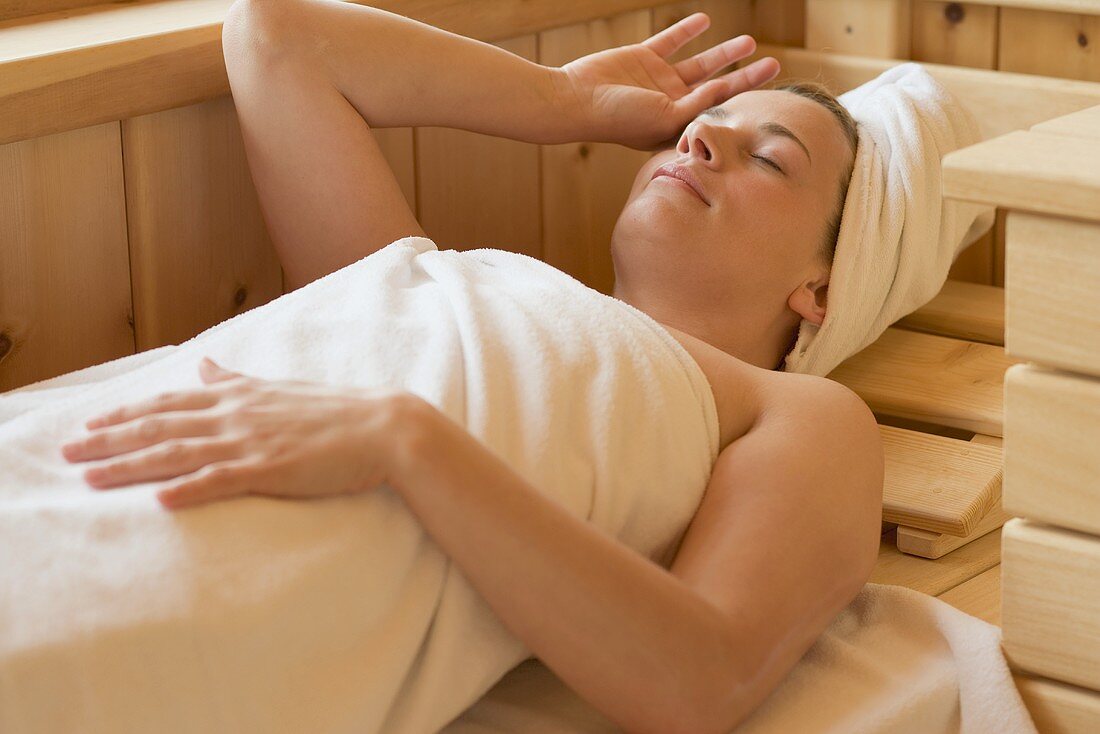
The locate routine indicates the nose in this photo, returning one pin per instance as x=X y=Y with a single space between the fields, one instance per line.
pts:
x=698 y=142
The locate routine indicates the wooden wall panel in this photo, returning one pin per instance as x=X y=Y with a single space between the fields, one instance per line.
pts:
x=878 y=28
x=22 y=8
x=782 y=22
x=728 y=19
x=961 y=34
x=64 y=270
x=199 y=247
x=479 y=190
x=585 y=185
x=1051 y=44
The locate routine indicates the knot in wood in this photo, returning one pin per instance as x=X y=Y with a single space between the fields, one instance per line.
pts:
x=5 y=345
x=954 y=12
x=240 y=296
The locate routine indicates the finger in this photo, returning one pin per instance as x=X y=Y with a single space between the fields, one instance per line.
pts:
x=216 y=481
x=163 y=403
x=749 y=77
x=166 y=460
x=138 y=434
x=671 y=39
x=704 y=65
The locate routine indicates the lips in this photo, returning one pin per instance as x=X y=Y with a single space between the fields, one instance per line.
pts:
x=685 y=175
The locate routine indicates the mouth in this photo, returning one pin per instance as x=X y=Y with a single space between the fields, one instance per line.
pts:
x=682 y=174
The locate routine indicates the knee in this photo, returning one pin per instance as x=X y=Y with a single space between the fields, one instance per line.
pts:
x=261 y=29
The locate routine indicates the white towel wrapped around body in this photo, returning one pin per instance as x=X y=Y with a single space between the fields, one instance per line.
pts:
x=338 y=614
x=898 y=236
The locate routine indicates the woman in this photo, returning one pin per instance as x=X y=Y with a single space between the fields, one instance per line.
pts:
x=728 y=251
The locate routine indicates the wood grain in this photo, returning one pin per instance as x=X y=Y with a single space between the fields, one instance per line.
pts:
x=1053 y=267
x=1083 y=124
x=935 y=576
x=1051 y=457
x=979 y=596
x=930 y=378
x=1051 y=602
x=1059 y=707
x=938 y=484
x=1050 y=43
x=64 y=267
x=878 y=28
x=962 y=310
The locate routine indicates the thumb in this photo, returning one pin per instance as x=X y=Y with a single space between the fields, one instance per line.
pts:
x=213 y=372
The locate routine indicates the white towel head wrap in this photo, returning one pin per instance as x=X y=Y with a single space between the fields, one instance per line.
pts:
x=898 y=237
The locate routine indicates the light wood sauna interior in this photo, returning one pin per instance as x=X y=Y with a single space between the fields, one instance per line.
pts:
x=128 y=221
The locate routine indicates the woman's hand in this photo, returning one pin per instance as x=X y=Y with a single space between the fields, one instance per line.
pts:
x=632 y=96
x=243 y=435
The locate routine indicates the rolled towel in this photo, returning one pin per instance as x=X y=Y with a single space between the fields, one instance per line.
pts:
x=898 y=237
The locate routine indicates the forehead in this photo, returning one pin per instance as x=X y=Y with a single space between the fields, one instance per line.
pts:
x=809 y=120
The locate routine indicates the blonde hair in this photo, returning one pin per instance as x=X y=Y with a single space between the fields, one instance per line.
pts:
x=820 y=94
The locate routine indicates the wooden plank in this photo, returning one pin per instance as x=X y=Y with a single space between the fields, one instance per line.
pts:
x=781 y=22
x=1054 y=267
x=1051 y=602
x=962 y=34
x=964 y=311
x=935 y=576
x=1000 y=101
x=198 y=243
x=930 y=378
x=1051 y=460
x=70 y=69
x=21 y=8
x=980 y=596
x=1051 y=44
x=927 y=544
x=479 y=190
x=1057 y=6
x=878 y=28
x=1083 y=124
x=938 y=484
x=585 y=185
x=64 y=267
x=1028 y=171
x=1058 y=707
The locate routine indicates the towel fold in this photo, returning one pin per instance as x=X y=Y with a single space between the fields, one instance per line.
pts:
x=338 y=614
x=898 y=236
x=895 y=661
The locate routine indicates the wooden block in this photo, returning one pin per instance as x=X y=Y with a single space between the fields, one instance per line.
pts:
x=962 y=310
x=1052 y=434
x=1052 y=269
x=930 y=378
x=980 y=596
x=963 y=34
x=927 y=544
x=1029 y=171
x=1059 y=708
x=1083 y=124
x=1051 y=601
x=938 y=484
x=935 y=576
x=877 y=28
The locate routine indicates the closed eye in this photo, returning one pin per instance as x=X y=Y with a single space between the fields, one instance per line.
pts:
x=770 y=162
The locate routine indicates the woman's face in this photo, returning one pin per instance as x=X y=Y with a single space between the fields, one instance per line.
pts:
x=769 y=164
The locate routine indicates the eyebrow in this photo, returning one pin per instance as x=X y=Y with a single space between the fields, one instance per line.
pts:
x=772 y=128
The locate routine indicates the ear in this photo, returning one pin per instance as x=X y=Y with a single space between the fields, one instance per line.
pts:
x=810 y=298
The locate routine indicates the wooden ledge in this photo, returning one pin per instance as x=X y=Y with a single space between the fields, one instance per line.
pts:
x=1081 y=7
x=74 y=68
x=1029 y=171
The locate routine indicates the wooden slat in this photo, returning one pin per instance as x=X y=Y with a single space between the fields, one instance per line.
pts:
x=1051 y=44
x=1059 y=708
x=935 y=576
x=64 y=268
x=1000 y=101
x=71 y=69
x=1057 y=6
x=198 y=243
x=980 y=596
x=926 y=544
x=877 y=28
x=21 y=8
x=782 y=22
x=961 y=34
x=1054 y=267
x=938 y=484
x=1051 y=602
x=964 y=311
x=585 y=185
x=1029 y=171
x=1083 y=124
x=480 y=190
x=1052 y=461
x=930 y=378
